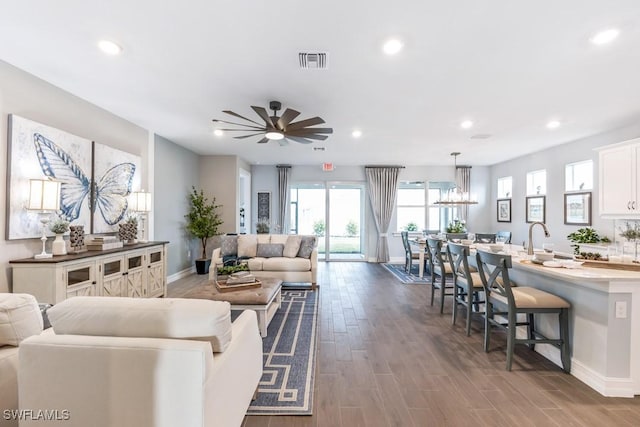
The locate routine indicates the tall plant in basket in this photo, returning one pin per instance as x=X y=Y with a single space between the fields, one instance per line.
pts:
x=203 y=221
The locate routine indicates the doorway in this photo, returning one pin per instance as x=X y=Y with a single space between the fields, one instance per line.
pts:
x=334 y=212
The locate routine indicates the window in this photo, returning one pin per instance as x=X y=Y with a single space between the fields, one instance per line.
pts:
x=505 y=187
x=578 y=176
x=435 y=194
x=411 y=206
x=537 y=182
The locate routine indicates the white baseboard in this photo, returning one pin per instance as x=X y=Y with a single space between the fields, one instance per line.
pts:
x=606 y=386
x=180 y=274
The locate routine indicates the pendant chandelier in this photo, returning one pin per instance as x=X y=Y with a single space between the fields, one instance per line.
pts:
x=456 y=196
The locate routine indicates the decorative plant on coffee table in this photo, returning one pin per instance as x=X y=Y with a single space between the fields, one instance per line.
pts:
x=203 y=221
x=227 y=270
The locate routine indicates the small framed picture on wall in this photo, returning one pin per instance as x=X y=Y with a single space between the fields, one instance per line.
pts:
x=577 y=208
x=535 y=208
x=504 y=210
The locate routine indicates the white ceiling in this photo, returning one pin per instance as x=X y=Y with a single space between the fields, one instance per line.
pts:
x=510 y=66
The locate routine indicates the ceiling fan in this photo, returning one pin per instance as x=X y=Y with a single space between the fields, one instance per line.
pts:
x=280 y=128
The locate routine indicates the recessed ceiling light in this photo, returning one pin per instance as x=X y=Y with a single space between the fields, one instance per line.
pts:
x=218 y=132
x=392 y=46
x=466 y=124
x=356 y=133
x=553 y=124
x=109 y=47
x=606 y=36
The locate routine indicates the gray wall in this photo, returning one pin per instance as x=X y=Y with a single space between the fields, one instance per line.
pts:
x=176 y=171
x=265 y=178
x=33 y=98
x=554 y=160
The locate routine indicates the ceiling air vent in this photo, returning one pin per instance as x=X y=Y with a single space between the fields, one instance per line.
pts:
x=313 y=61
x=481 y=136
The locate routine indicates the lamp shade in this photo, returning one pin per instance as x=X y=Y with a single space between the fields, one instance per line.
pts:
x=140 y=201
x=44 y=195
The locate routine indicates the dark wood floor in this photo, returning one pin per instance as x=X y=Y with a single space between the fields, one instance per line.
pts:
x=386 y=358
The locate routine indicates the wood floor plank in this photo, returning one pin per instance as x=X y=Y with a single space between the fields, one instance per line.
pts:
x=387 y=358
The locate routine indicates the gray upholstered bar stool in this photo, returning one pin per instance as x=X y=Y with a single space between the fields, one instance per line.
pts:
x=467 y=284
x=438 y=266
x=504 y=299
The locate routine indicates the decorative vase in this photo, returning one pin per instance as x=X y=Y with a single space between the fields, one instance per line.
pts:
x=59 y=246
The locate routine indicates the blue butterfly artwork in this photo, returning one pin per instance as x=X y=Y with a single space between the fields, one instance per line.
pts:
x=108 y=195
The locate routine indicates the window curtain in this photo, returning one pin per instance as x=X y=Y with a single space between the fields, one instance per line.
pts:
x=463 y=181
x=382 y=186
x=284 y=197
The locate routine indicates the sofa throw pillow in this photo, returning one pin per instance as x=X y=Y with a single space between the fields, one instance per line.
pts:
x=247 y=245
x=307 y=245
x=292 y=246
x=270 y=250
x=20 y=317
x=229 y=246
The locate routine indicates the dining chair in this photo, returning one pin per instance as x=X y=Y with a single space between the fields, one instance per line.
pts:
x=439 y=267
x=428 y=233
x=506 y=300
x=456 y=236
x=467 y=284
x=485 y=237
x=506 y=235
x=409 y=256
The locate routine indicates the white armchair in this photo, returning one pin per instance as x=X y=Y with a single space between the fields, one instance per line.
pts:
x=142 y=363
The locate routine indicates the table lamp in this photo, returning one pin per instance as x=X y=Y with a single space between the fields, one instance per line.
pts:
x=44 y=197
x=140 y=202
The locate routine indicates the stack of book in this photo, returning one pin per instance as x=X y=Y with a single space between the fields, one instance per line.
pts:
x=241 y=278
x=103 y=243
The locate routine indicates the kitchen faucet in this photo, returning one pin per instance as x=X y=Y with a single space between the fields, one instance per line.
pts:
x=546 y=234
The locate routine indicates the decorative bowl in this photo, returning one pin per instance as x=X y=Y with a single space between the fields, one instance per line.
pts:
x=543 y=256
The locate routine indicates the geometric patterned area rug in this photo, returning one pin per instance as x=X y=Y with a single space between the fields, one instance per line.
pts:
x=409 y=279
x=289 y=355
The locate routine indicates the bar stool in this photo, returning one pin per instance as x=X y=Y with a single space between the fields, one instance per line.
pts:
x=504 y=299
x=439 y=267
x=466 y=283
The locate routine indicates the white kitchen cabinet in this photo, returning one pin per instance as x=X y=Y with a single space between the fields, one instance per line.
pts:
x=136 y=271
x=619 y=167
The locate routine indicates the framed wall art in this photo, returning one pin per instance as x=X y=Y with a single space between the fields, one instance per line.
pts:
x=577 y=208
x=535 y=208
x=264 y=206
x=504 y=210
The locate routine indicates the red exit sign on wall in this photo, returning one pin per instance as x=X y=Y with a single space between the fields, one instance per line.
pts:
x=327 y=167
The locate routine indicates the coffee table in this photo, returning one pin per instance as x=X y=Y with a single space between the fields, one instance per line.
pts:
x=265 y=301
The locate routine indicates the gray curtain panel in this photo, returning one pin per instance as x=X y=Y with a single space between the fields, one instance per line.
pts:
x=382 y=185
x=463 y=181
x=284 y=197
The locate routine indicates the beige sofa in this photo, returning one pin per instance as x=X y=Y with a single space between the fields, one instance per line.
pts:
x=133 y=362
x=292 y=268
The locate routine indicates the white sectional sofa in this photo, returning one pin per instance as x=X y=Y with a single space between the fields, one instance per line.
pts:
x=142 y=363
x=290 y=258
x=20 y=318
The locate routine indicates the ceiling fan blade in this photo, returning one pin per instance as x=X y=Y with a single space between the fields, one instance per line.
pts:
x=243 y=130
x=305 y=123
x=287 y=117
x=263 y=141
x=236 y=124
x=307 y=131
x=263 y=115
x=239 y=116
x=248 y=136
x=283 y=142
x=300 y=140
x=310 y=136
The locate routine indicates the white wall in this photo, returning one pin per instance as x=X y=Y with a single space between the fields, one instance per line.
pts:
x=554 y=160
x=35 y=99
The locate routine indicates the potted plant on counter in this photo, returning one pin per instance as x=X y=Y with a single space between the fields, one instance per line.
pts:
x=203 y=221
x=585 y=235
x=59 y=226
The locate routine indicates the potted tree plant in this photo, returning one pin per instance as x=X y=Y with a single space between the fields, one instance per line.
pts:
x=202 y=222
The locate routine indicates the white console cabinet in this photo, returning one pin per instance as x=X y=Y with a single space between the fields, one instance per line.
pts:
x=132 y=271
x=619 y=173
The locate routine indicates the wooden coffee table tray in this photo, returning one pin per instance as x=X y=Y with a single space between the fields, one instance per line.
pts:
x=223 y=287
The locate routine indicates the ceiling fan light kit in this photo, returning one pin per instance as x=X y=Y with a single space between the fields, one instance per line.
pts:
x=278 y=128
